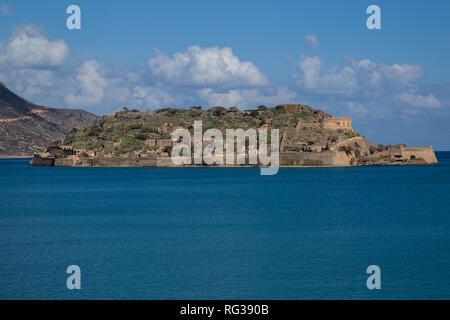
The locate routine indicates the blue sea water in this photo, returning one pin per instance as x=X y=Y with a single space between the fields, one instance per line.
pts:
x=225 y=233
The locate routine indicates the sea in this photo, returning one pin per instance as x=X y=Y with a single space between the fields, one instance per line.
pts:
x=225 y=233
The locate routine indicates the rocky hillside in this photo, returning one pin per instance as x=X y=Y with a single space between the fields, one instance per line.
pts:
x=26 y=128
x=129 y=131
x=308 y=137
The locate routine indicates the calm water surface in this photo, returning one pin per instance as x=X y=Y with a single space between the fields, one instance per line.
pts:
x=211 y=233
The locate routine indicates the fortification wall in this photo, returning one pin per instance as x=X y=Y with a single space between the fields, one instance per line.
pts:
x=165 y=162
x=307 y=125
x=105 y=162
x=337 y=123
x=42 y=162
x=425 y=153
x=326 y=123
x=347 y=142
x=63 y=162
x=326 y=158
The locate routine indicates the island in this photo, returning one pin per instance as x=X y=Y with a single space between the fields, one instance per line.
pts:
x=307 y=138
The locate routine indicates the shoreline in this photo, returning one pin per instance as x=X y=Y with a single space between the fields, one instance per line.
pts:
x=15 y=157
x=247 y=166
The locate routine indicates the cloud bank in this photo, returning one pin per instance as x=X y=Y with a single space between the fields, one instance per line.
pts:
x=44 y=71
x=363 y=85
x=29 y=47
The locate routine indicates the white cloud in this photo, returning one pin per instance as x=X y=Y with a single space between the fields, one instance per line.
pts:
x=246 y=97
x=420 y=101
x=32 y=77
x=152 y=97
x=310 y=68
x=358 y=88
x=229 y=98
x=357 y=107
x=206 y=67
x=32 y=82
x=28 y=47
x=360 y=78
x=132 y=77
x=312 y=41
x=310 y=78
x=404 y=73
x=90 y=86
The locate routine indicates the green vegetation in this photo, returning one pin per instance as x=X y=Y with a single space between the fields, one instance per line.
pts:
x=130 y=130
x=350 y=134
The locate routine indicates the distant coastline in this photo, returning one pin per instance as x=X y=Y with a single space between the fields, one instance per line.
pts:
x=15 y=157
x=26 y=128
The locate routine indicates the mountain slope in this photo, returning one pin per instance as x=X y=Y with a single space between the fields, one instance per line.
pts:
x=26 y=128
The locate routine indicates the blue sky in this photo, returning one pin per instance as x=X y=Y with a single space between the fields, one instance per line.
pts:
x=394 y=82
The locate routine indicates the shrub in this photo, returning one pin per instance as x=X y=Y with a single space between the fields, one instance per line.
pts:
x=218 y=111
x=141 y=136
x=254 y=113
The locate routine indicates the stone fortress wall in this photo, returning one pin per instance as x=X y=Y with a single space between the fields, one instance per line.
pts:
x=414 y=153
x=307 y=125
x=330 y=158
x=329 y=124
x=337 y=123
x=101 y=162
